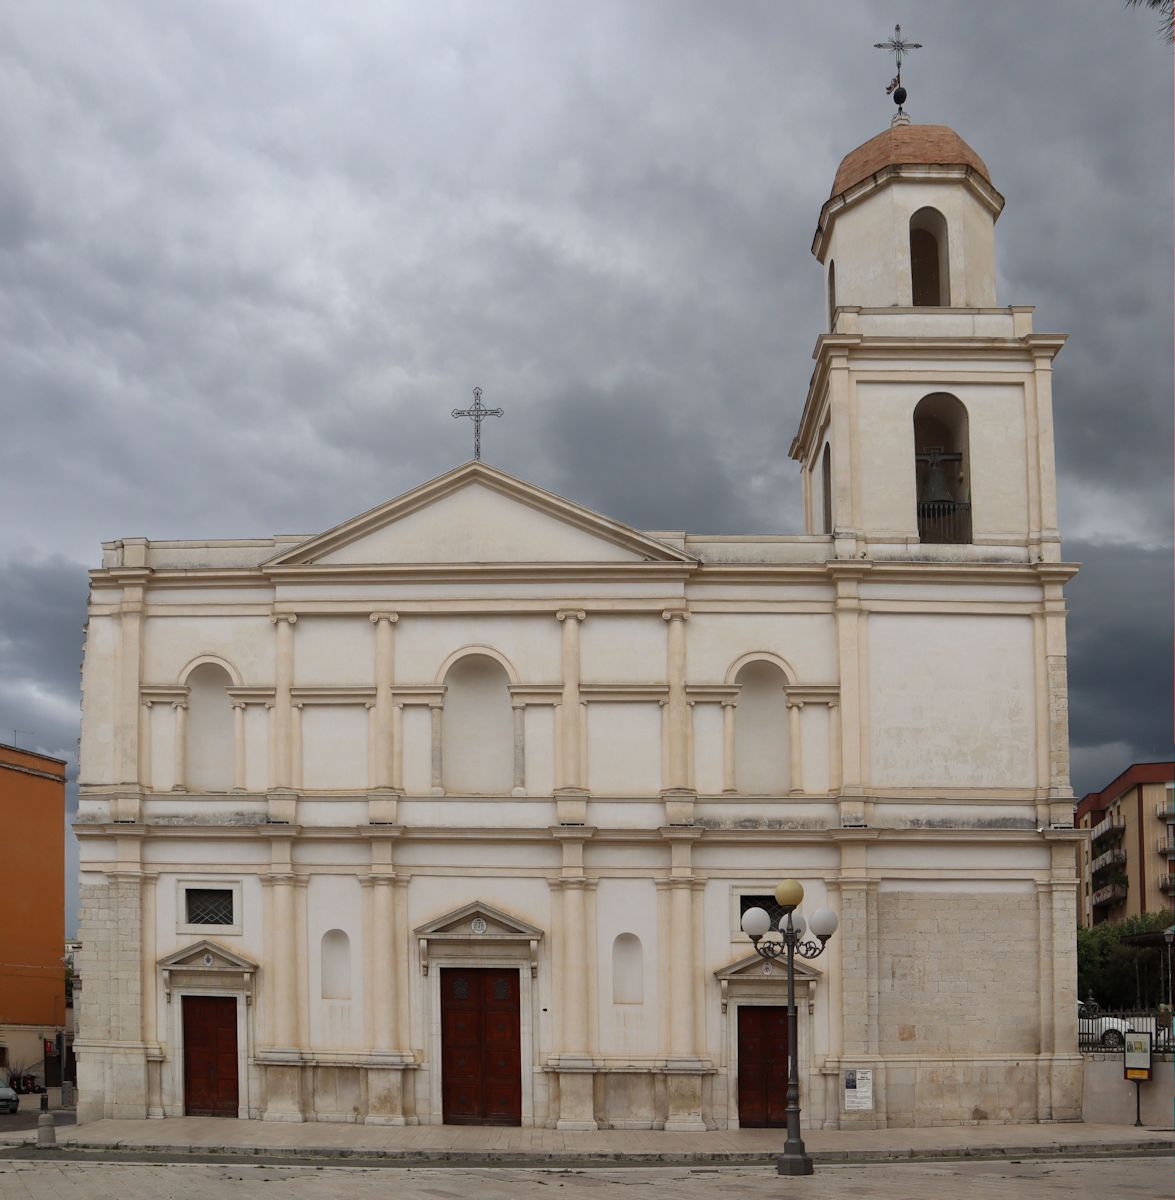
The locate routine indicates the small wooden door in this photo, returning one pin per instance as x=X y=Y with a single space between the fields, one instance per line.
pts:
x=210 y=1056
x=481 y=1048
x=762 y=1066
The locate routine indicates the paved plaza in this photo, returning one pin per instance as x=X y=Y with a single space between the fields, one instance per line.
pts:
x=472 y=1145
x=1122 y=1179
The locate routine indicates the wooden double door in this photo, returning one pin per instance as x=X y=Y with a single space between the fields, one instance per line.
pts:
x=481 y=1057
x=762 y=1066
x=210 y=1056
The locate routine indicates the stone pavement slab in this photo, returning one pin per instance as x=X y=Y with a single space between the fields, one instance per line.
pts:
x=533 y=1146
x=1121 y=1179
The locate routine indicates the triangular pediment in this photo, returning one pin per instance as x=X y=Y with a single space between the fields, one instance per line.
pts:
x=206 y=956
x=466 y=922
x=478 y=514
x=752 y=967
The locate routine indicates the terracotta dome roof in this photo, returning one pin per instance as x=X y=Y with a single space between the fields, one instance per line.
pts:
x=906 y=145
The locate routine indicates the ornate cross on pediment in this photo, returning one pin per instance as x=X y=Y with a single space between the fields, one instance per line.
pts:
x=478 y=413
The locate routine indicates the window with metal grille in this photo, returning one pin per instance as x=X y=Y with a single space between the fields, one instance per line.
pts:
x=209 y=906
x=768 y=903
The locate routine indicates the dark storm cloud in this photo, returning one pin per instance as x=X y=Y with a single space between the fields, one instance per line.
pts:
x=252 y=255
x=1120 y=652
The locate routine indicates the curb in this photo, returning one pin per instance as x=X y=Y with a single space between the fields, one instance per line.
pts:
x=587 y=1158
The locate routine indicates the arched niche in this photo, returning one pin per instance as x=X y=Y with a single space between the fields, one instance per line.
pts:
x=477 y=747
x=208 y=757
x=762 y=758
x=336 y=965
x=930 y=276
x=628 y=970
x=942 y=469
x=826 y=488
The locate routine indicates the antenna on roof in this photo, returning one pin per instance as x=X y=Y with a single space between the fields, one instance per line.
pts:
x=897 y=46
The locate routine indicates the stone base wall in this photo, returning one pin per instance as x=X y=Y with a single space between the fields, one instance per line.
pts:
x=959 y=975
x=112 y=1071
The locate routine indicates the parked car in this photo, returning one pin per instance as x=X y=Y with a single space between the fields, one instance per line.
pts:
x=9 y=1100
x=1092 y=1027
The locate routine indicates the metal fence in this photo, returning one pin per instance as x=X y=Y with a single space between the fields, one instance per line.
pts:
x=1106 y=1029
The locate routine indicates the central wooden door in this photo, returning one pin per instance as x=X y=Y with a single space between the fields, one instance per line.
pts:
x=481 y=1048
x=210 y=1056
x=762 y=1066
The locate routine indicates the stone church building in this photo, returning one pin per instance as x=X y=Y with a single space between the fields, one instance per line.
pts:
x=450 y=813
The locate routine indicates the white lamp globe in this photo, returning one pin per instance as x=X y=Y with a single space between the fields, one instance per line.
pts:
x=756 y=922
x=824 y=923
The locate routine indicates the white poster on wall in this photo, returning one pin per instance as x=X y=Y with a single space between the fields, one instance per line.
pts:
x=858 y=1090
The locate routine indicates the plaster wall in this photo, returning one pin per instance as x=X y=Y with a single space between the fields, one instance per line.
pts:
x=951 y=700
x=998 y=457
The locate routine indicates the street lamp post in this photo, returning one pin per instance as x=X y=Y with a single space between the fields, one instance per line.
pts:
x=792 y=940
x=1168 y=937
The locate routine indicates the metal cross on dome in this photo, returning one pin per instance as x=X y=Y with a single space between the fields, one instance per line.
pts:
x=478 y=412
x=897 y=46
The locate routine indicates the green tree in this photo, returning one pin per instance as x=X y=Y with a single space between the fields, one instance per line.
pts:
x=1115 y=973
x=1166 y=11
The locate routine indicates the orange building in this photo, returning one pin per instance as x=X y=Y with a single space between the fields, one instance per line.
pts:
x=32 y=916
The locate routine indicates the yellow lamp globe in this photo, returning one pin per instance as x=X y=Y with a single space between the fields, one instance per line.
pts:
x=789 y=894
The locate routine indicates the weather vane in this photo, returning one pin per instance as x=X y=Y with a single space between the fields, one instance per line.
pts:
x=478 y=413
x=897 y=46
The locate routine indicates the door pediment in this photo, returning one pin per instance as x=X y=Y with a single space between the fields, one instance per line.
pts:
x=204 y=964
x=479 y=923
x=477 y=514
x=758 y=977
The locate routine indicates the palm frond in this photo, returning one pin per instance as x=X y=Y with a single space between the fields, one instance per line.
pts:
x=1165 y=9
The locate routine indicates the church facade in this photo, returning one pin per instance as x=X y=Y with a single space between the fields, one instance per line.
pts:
x=451 y=813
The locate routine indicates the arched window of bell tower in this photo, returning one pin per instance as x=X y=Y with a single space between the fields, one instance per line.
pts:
x=826 y=487
x=942 y=470
x=831 y=295
x=929 y=262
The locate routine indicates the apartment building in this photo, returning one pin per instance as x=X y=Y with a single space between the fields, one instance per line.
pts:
x=1128 y=864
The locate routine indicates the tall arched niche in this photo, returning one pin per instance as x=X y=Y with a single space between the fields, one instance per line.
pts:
x=208 y=757
x=477 y=748
x=762 y=765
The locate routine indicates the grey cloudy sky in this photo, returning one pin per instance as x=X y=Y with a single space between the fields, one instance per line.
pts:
x=251 y=255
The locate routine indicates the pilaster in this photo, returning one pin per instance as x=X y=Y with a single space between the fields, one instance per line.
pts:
x=574 y=1060
x=678 y=795
x=282 y=700
x=570 y=791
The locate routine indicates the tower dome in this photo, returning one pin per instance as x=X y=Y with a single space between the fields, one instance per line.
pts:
x=910 y=222
x=906 y=145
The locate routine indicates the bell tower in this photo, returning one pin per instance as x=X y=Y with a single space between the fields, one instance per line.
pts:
x=927 y=431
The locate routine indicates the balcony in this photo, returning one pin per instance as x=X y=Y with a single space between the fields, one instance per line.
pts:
x=1111 y=858
x=1110 y=893
x=1166 y=808
x=1166 y=846
x=944 y=522
x=1111 y=826
x=1166 y=883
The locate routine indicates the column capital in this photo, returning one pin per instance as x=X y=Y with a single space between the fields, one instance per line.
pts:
x=276 y=618
x=233 y=704
x=178 y=704
x=795 y=704
x=564 y=614
x=675 y=614
x=390 y=617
